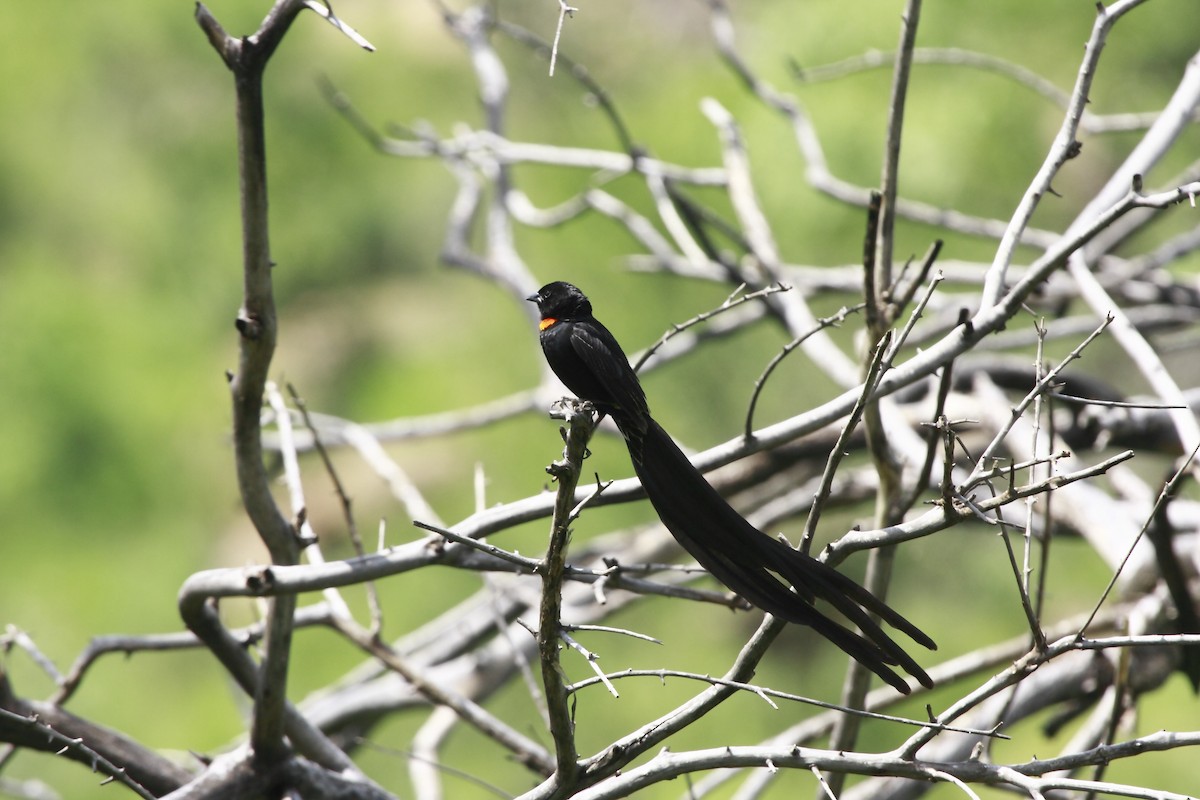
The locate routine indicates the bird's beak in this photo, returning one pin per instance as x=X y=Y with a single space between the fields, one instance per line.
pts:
x=533 y=298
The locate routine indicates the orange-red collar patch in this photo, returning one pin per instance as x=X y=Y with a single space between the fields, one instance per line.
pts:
x=546 y=323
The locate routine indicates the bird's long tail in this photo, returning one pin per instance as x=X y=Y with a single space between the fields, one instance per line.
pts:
x=748 y=561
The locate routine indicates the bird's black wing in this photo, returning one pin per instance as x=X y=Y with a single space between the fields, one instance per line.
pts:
x=606 y=361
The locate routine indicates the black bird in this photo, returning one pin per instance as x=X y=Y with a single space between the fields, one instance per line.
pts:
x=587 y=358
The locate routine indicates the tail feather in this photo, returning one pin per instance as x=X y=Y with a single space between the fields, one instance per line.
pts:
x=747 y=560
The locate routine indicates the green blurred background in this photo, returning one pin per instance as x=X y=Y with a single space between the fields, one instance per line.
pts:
x=120 y=280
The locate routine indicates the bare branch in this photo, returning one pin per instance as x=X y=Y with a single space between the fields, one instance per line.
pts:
x=1063 y=148
x=580 y=423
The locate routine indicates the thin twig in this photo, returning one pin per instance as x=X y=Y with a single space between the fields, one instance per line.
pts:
x=1164 y=496
x=1090 y=401
x=1039 y=388
x=291 y=473
x=1064 y=147
x=767 y=693
x=564 y=11
x=19 y=726
x=888 y=181
x=945 y=381
x=832 y=321
x=1031 y=614
x=591 y=658
x=838 y=452
x=731 y=302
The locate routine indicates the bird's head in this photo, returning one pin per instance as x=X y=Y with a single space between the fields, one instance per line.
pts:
x=561 y=300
